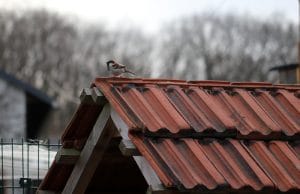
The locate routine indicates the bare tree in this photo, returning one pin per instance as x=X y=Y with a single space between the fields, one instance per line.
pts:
x=38 y=47
x=48 y=51
x=134 y=48
x=61 y=58
x=126 y=45
x=226 y=47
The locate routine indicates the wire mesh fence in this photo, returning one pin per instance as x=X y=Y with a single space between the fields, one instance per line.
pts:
x=23 y=164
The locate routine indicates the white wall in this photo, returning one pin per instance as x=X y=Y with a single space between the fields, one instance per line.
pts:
x=12 y=111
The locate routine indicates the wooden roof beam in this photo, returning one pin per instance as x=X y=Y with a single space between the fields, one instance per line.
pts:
x=46 y=192
x=129 y=149
x=91 y=154
x=67 y=156
x=92 y=96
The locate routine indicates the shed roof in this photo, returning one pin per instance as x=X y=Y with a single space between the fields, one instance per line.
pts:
x=205 y=108
x=199 y=135
x=285 y=67
x=27 y=88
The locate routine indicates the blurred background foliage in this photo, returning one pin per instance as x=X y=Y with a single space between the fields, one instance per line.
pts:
x=60 y=57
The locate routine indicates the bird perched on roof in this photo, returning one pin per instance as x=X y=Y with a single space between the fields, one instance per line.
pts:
x=117 y=69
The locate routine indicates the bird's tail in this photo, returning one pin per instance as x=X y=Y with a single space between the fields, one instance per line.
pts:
x=128 y=71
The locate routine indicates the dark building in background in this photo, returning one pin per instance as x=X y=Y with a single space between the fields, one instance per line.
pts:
x=23 y=108
x=288 y=73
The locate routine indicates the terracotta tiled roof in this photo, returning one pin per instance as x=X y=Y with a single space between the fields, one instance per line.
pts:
x=211 y=134
x=202 y=135
x=228 y=163
x=205 y=108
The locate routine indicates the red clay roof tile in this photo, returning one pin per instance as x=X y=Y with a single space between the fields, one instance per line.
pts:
x=247 y=109
x=213 y=163
x=203 y=135
x=256 y=111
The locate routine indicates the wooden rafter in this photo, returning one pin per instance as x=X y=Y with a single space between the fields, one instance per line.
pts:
x=147 y=171
x=91 y=154
x=67 y=156
x=46 y=192
x=128 y=149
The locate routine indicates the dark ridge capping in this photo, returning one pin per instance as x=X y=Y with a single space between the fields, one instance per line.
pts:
x=163 y=133
x=29 y=89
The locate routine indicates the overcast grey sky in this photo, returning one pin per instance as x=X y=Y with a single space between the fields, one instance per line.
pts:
x=150 y=14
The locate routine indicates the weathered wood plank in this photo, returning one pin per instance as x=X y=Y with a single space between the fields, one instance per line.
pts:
x=92 y=96
x=91 y=154
x=86 y=96
x=67 y=156
x=147 y=171
x=120 y=124
x=98 y=97
x=128 y=149
x=158 y=189
x=46 y=192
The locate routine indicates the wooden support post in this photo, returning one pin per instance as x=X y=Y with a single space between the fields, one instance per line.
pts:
x=128 y=149
x=158 y=189
x=147 y=171
x=91 y=154
x=67 y=156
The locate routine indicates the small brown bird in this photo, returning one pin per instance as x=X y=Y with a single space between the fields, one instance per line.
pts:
x=117 y=69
